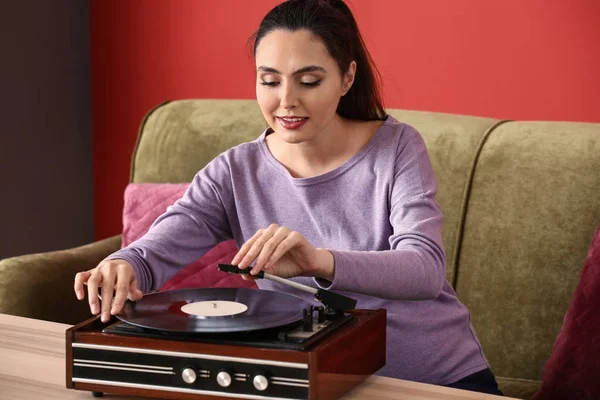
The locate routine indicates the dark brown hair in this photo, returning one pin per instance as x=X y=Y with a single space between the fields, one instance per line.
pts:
x=333 y=22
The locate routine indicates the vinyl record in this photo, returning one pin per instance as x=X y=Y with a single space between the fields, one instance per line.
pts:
x=214 y=310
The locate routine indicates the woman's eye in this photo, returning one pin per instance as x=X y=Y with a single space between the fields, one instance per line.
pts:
x=312 y=84
x=308 y=84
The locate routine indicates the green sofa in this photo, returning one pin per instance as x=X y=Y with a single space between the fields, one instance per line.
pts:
x=521 y=203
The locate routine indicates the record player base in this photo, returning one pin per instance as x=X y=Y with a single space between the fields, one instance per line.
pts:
x=139 y=366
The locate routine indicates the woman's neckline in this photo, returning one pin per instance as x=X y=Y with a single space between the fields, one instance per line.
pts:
x=329 y=174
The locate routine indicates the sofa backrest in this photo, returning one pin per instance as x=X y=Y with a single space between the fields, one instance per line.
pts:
x=520 y=201
x=178 y=138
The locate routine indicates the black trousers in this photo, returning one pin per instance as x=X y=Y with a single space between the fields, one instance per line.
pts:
x=483 y=381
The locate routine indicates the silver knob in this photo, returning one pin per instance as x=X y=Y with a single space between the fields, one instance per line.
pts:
x=224 y=379
x=188 y=375
x=260 y=382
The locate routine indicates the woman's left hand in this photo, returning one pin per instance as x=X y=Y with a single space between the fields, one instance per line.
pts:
x=285 y=253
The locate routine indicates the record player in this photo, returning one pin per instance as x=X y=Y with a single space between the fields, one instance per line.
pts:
x=236 y=343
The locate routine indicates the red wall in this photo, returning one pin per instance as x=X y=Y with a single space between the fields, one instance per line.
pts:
x=535 y=59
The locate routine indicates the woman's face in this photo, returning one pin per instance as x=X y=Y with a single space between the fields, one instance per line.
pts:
x=298 y=84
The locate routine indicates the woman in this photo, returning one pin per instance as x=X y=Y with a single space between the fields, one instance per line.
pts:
x=334 y=194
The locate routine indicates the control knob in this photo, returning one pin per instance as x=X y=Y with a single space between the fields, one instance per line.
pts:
x=224 y=379
x=188 y=375
x=260 y=382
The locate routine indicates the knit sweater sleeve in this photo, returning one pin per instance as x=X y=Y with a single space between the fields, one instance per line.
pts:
x=414 y=266
x=186 y=231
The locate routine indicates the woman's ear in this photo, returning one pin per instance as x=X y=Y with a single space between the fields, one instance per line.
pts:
x=348 y=79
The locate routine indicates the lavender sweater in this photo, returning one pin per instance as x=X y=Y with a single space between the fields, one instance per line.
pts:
x=376 y=213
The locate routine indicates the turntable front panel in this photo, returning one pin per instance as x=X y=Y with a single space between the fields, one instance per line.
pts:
x=193 y=373
x=327 y=364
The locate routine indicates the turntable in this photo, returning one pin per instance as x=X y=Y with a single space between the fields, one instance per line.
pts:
x=220 y=343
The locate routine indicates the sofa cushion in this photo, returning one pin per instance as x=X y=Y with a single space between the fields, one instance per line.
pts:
x=573 y=369
x=144 y=203
x=532 y=209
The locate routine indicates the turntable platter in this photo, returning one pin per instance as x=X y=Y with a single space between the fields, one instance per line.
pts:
x=214 y=310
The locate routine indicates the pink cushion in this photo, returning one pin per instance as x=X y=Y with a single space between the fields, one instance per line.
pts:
x=144 y=203
x=573 y=369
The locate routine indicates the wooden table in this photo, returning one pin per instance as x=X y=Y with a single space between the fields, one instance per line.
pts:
x=32 y=366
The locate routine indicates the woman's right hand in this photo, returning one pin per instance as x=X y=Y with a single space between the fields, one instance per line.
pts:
x=110 y=276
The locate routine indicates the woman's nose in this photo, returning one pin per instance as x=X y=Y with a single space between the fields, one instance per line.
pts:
x=289 y=97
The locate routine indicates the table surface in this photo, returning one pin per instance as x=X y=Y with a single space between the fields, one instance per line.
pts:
x=33 y=366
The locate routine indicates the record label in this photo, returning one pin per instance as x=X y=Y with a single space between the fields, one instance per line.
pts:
x=216 y=308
